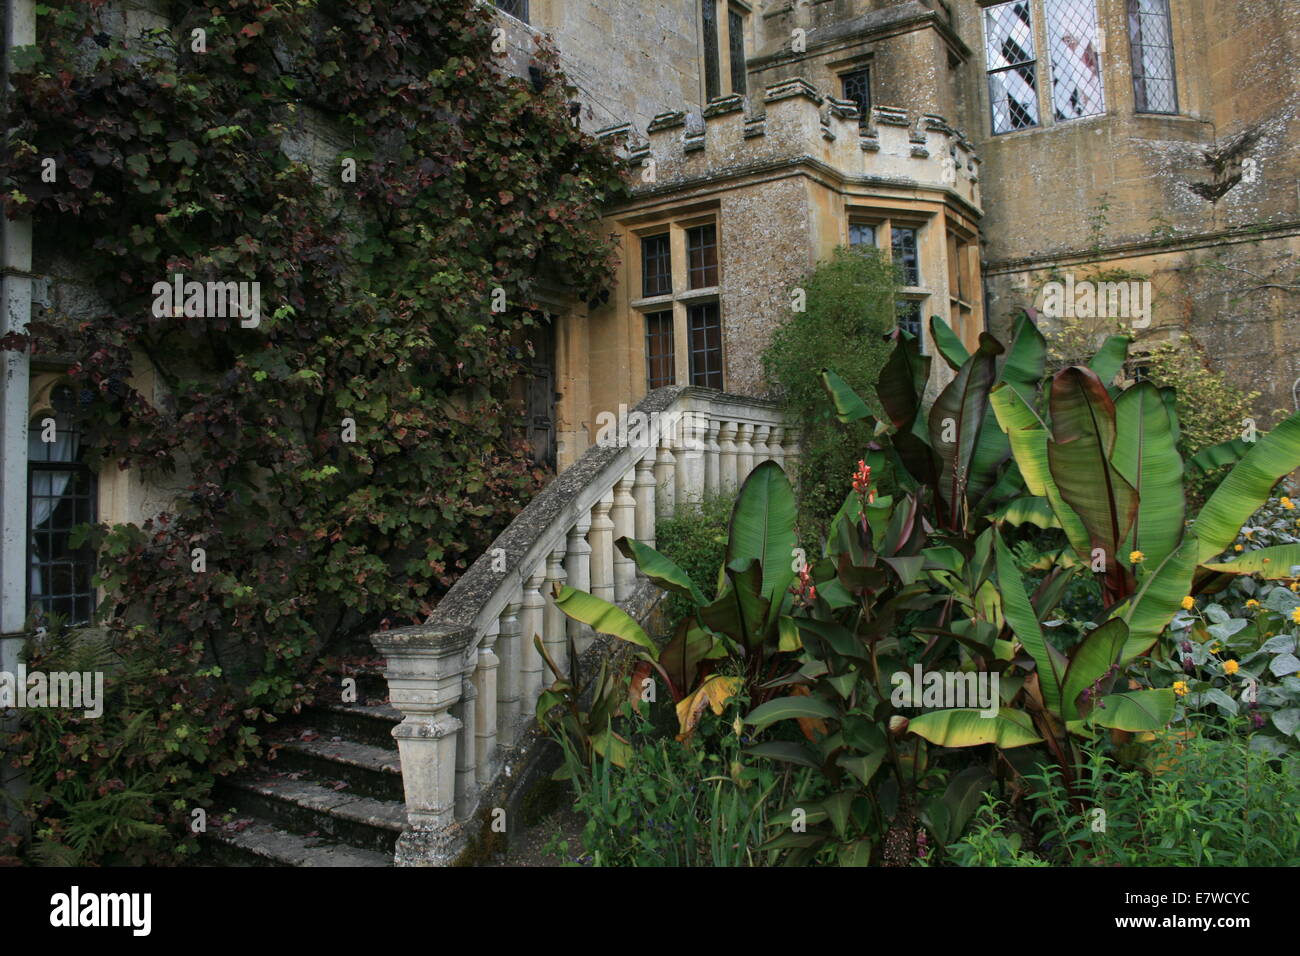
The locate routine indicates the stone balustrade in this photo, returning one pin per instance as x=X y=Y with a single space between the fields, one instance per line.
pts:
x=467 y=680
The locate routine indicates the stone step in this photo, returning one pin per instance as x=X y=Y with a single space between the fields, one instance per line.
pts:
x=315 y=807
x=363 y=723
x=369 y=770
x=258 y=843
x=371 y=685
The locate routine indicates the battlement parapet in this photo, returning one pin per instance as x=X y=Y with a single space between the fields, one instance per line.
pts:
x=798 y=123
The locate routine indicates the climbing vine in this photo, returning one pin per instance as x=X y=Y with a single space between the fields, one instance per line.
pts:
x=342 y=456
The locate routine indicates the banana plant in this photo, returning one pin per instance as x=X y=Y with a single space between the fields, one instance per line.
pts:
x=731 y=641
x=952 y=451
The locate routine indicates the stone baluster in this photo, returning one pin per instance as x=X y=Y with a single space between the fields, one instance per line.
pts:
x=665 y=478
x=532 y=622
x=624 y=518
x=602 y=548
x=425 y=673
x=555 y=624
x=643 y=490
x=690 y=459
x=510 y=682
x=711 y=464
x=577 y=564
x=774 y=449
x=727 y=482
x=744 y=451
x=792 y=454
x=485 y=706
x=466 y=774
x=761 y=452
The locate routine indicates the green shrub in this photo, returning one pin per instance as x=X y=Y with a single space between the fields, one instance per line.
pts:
x=850 y=310
x=675 y=803
x=695 y=538
x=1211 y=409
x=1201 y=800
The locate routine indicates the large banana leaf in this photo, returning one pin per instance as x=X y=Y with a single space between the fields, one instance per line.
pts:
x=1135 y=711
x=1145 y=455
x=963 y=727
x=660 y=569
x=1079 y=457
x=604 y=618
x=1028 y=510
x=849 y=406
x=1159 y=595
x=741 y=612
x=1271 y=563
x=1029 y=439
x=1026 y=360
x=901 y=384
x=1248 y=486
x=959 y=411
x=762 y=529
x=1110 y=358
x=1091 y=661
x=789 y=708
x=1219 y=456
x=1019 y=613
x=900 y=389
x=951 y=348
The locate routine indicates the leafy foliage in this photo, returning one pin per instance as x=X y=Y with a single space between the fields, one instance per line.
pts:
x=377 y=310
x=849 y=312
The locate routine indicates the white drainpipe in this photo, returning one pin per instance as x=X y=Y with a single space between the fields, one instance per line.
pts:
x=15 y=373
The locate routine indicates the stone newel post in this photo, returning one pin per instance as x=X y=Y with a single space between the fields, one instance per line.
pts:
x=425 y=673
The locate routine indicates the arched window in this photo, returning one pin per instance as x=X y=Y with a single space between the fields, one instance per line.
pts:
x=61 y=495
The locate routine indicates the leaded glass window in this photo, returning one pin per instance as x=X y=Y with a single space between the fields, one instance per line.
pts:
x=702 y=256
x=659 y=350
x=1152 y=46
x=516 y=8
x=1076 y=65
x=656 y=266
x=712 y=68
x=736 y=47
x=1009 y=47
x=705 y=326
x=61 y=496
x=856 y=86
x=906 y=256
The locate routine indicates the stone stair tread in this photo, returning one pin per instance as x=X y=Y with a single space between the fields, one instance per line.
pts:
x=346 y=751
x=291 y=849
x=380 y=711
x=384 y=814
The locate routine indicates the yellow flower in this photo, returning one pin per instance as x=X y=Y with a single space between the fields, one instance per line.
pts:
x=1216 y=647
x=1237 y=548
x=1287 y=503
x=1295 y=585
x=1189 y=602
x=1136 y=557
x=1295 y=615
x=1180 y=688
x=1252 y=603
x=1230 y=667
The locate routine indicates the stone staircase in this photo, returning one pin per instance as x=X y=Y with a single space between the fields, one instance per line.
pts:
x=330 y=794
x=433 y=765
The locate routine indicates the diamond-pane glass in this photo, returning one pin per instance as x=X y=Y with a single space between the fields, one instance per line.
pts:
x=1152 y=45
x=516 y=8
x=1076 y=65
x=1009 y=47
